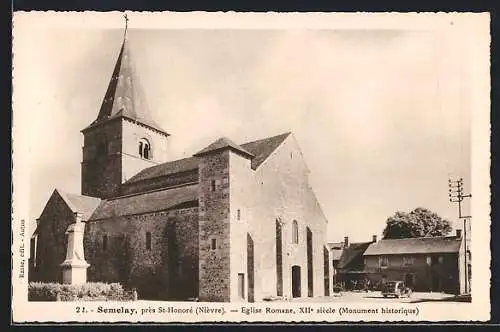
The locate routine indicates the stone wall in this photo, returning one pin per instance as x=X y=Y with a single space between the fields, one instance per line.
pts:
x=111 y=155
x=169 y=270
x=243 y=238
x=132 y=162
x=214 y=227
x=326 y=267
x=278 y=189
x=51 y=244
x=101 y=165
x=283 y=183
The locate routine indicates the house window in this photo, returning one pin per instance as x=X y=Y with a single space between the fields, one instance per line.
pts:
x=212 y=185
x=238 y=214
x=148 y=240
x=295 y=232
x=144 y=149
x=105 y=242
x=213 y=244
x=408 y=260
x=383 y=261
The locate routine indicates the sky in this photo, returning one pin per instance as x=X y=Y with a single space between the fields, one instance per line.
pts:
x=382 y=115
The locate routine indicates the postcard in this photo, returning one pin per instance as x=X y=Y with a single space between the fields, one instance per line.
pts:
x=250 y=167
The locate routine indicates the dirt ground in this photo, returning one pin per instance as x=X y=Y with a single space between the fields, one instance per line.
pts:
x=378 y=298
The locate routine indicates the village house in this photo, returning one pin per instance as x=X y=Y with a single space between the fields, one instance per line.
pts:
x=335 y=251
x=233 y=222
x=348 y=262
x=426 y=264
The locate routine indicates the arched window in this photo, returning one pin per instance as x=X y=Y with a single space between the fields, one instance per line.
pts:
x=144 y=149
x=295 y=232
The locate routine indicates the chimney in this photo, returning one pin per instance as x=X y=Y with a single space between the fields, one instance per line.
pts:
x=459 y=233
x=346 y=241
x=374 y=238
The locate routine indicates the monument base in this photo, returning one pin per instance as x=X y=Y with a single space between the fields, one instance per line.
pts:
x=74 y=272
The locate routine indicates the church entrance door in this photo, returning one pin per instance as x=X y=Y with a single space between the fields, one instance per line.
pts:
x=296 y=281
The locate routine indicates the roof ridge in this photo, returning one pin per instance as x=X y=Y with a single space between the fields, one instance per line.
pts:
x=419 y=238
x=223 y=143
x=64 y=196
x=167 y=162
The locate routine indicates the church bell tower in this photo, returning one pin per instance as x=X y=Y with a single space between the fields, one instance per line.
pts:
x=124 y=139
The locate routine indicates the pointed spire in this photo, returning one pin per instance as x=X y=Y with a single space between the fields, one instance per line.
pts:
x=124 y=96
x=126 y=26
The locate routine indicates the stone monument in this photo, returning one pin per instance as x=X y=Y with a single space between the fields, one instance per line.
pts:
x=74 y=267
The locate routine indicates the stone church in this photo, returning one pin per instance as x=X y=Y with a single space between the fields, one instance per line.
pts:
x=234 y=222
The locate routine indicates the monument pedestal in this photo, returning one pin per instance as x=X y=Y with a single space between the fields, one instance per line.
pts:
x=74 y=273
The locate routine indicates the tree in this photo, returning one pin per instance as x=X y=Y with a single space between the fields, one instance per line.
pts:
x=418 y=223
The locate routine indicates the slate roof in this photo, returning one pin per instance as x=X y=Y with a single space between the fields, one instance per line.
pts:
x=263 y=148
x=85 y=205
x=260 y=149
x=171 y=167
x=422 y=245
x=224 y=143
x=145 y=202
x=351 y=253
x=124 y=96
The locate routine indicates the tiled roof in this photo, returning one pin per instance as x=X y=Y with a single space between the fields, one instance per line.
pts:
x=350 y=253
x=263 y=148
x=260 y=149
x=85 y=205
x=146 y=202
x=124 y=96
x=224 y=143
x=171 y=167
x=422 y=245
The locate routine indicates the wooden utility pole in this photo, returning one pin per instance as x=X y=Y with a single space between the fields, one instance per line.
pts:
x=457 y=195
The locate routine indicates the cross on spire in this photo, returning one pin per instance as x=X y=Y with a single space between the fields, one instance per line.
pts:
x=126 y=23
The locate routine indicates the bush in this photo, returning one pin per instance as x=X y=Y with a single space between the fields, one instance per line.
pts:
x=91 y=291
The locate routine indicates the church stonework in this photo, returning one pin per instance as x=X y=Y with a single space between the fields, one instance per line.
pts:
x=101 y=164
x=202 y=227
x=171 y=258
x=214 y=227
